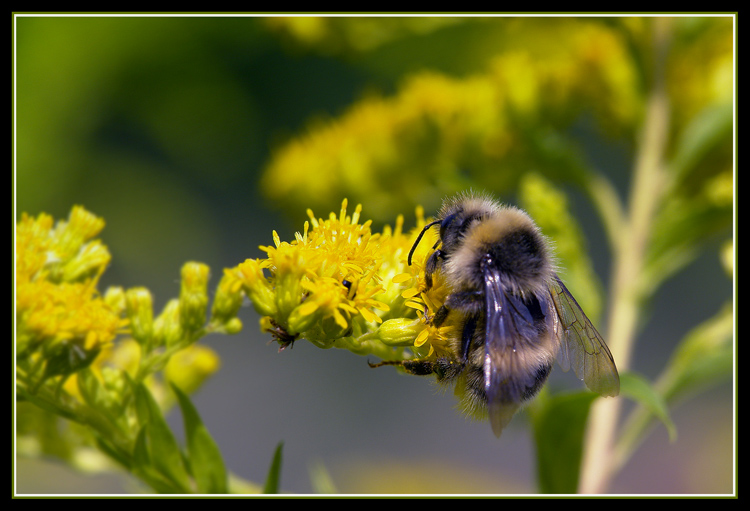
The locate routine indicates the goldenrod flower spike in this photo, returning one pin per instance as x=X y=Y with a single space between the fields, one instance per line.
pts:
x=339 y=284
x=69 y=336
x=62 y=322
x=107 y=363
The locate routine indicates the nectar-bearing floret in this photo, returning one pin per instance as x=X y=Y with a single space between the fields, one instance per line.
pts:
x=339 y=284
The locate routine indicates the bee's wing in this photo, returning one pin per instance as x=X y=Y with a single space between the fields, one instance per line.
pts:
x=581 y=346
x=514 y=366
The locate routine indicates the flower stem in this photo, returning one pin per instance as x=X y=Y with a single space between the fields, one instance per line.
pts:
x=649 y=183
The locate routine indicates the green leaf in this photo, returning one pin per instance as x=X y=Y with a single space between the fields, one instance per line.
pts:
x=703 y=358
x=162 y=446
x=68 y=359
x=274 y=473
x=680 y=229
x=118 y=455
x=204 y=457
x=142 y=466
x=321 y=480
x=640 y=390
x=90 y=388
x=559 y=422
x=141 y=455
x=710 y=128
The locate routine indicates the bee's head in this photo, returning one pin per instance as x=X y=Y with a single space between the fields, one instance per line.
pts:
x=455 y=218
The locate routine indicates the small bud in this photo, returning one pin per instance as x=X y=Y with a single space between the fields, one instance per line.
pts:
x=139 y=306
x=193 y=296
x=81 y=226
x=114 y=297
x=257 y=287
x=400 y=331
x=228 y=298
x=167 y=327
x=90 y=261
x=85 y=224
x=233 y=326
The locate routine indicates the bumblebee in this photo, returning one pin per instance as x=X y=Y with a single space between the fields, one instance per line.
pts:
x=516 y=316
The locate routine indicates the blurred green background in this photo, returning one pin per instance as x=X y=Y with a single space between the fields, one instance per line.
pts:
x=163 y=126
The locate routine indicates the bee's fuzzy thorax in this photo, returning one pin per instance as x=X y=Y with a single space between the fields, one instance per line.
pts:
x=507 y=238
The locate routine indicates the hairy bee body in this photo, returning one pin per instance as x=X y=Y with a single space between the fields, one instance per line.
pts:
x=517 y=317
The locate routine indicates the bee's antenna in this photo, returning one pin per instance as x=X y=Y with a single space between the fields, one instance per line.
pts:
x=419 y=238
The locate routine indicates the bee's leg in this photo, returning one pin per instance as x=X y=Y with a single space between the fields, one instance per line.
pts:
x=469 y=302
x=416 y=367
x=472 y=304
x=431 y=266
x=440 y=316
x=467 y=335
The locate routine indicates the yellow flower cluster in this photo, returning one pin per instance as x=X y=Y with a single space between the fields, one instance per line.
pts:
x=452 y=132
x=64 y=324
x=426 y=127
x=57 y=270
x=354 y=34
x=73 y=363
x=338 y=284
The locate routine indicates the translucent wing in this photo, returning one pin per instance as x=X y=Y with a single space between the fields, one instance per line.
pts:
x=581 y=346
x=516 y=363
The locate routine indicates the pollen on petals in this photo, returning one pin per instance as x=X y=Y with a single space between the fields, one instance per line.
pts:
x=337 y=282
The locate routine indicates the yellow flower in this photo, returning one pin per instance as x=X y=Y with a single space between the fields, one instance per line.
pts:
x=57 y=302
x=338 y=284
x=33 y=243
x=427 y=126
x=189 y=368
x=57 y=313
x=320 y=281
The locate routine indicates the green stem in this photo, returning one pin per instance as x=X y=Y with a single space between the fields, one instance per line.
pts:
x=629 y=246
x=156 y=360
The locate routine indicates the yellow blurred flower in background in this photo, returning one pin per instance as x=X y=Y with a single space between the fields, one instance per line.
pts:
x=438 y=133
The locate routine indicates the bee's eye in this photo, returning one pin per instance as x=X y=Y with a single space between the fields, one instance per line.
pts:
x=457 y=224
x=447 y=221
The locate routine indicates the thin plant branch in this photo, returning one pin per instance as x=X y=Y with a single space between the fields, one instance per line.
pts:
x=629 y=250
